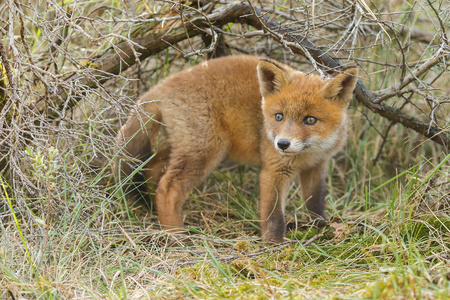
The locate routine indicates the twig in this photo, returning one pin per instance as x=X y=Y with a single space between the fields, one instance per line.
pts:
x=364 y=95
x=124 y=56
x=396 y=89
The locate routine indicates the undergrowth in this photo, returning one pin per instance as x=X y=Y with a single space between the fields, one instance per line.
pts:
x=389 y=240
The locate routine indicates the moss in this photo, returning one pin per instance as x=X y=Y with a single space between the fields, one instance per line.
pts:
x=244 y=267
x=242 y=246
x=252 y=290
x=90 y=64
x=3 y=86
x=303 y=235
x=393 y=286
x=196 y=271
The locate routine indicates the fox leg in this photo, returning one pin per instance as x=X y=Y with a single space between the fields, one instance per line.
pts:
x=274 y=184
x=313 y=189
x=184 y=172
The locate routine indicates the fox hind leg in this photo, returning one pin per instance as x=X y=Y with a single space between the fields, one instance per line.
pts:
x=184 y=172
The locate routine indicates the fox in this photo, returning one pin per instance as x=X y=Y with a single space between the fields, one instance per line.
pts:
x=247 y=109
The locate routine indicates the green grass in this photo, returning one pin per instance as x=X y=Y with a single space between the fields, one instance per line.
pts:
x=389 y=241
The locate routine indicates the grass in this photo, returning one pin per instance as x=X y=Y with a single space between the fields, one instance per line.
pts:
x=68 y=233
x=388 y=239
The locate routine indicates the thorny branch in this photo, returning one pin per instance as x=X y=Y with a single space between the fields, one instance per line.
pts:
x=123 y=55
x=304 y=47
x=396 y=89
x=69 y=69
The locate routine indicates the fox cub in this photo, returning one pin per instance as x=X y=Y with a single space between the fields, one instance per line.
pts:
x=246 y=109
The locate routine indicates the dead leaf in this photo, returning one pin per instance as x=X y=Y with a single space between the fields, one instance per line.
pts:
x=340 y=230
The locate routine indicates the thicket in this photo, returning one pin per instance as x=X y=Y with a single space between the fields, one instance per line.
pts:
x=71 y=72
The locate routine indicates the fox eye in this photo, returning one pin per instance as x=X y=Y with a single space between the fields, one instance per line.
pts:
x=309 y=120
x=279 y=117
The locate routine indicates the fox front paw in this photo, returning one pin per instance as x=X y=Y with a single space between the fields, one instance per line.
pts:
x=273 y=230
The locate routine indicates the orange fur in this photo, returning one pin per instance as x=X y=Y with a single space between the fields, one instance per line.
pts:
x=226 y=108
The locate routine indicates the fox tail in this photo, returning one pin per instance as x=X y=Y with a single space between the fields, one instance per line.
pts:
x=136 y=140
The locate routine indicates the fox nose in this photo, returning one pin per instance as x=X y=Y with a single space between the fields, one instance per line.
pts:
x=283 y=144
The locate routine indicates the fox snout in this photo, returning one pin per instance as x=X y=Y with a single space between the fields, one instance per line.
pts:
x=289 y=146
x=283 y=144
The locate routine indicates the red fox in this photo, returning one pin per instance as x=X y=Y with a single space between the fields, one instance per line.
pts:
x=247 y=109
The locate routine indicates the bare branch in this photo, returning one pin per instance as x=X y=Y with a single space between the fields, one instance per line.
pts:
x=123 y=55
x=120 y=57
x=395 y=89
x=364 y=95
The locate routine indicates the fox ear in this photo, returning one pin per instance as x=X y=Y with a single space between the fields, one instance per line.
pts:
x=272 y=77
x=341 y=87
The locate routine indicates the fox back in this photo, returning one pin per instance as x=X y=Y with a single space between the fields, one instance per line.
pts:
x=245 y=109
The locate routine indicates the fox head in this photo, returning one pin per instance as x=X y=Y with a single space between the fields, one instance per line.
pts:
x=303 y=113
